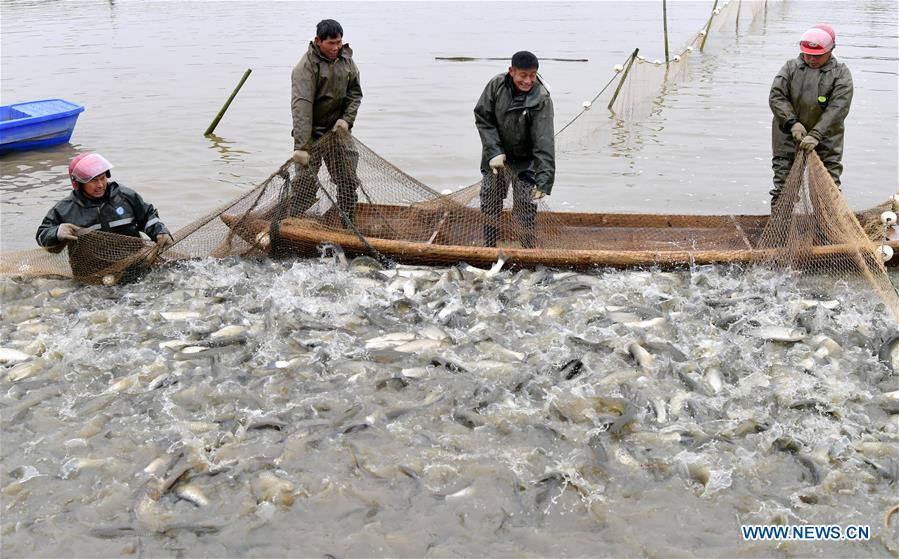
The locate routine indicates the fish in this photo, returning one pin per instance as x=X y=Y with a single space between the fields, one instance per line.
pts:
x=364 y=264
x=192 y=494
x=481 y=274
x=10 y=356
x=571 y=369
x=434 y=333
x=389 y=340
x=811 y=472
x=333 y=251
x=497 y=351
x=178 y=316
x=889 y=353
x=664 y=348
x=269 y=487
x=24 y=370
x=696 y=472
x=777 y=334
x=419 y=346
x=599 y=345
x=890 y=472
x=643 y=358
x=810 y=304
x=713 y=380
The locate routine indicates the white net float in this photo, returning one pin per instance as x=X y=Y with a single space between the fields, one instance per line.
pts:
x=886 y=252
x=888 y=218
x=618 y=68
x=587 y=105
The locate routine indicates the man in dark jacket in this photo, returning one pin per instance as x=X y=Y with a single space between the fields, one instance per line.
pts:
x=325 y=97
x=514 y=117
x=810 y=99
x=97 y=204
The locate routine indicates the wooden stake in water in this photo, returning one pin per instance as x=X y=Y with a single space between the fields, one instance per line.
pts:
x=623 y=77
x=665 y=24
x=219 y=116
x=708 y=26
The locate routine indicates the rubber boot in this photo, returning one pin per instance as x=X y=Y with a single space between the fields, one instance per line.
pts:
x=529 y=239
x=490 y=235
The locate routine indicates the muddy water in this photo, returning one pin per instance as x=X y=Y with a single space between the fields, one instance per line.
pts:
x=153 y=74
x=308 y=409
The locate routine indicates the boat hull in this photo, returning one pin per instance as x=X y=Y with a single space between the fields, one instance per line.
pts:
x=614 y=240
x=37 y=124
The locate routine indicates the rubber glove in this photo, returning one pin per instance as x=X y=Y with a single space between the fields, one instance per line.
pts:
x=164 y=241
x=808 y=143
x=798 y=131
x=537 y=194
x=301 y=157
x=498 y=163
x=67 y=232
x=341 y=126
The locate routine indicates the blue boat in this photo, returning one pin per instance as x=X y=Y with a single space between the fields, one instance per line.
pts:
x=37 y=124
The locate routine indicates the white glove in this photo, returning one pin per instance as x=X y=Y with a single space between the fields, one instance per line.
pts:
x=67 y=232
x=808 y=143
x=537 y=194
x=301 y=157
x=498 y=163
x=798 y=131
x=341 y=126
x=164 y=241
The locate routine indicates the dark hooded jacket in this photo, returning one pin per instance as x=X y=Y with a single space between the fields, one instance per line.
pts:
x=522 y=131
x=819 y=99
x=322 y=92
x=121 y=210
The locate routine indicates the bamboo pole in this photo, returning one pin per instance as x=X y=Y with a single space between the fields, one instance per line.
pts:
x=665 y=26
x=227 y=104
x=623 y=77
x=708 y=26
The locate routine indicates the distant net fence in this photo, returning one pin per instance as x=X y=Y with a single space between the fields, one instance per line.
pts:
x=641 y=83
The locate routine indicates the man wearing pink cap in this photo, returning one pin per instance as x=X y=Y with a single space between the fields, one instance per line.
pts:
x=810 y=99
x=98 y=204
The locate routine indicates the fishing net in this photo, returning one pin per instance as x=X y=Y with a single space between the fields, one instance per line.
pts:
x=642 y=82
x=350 y=196
x=812 y=230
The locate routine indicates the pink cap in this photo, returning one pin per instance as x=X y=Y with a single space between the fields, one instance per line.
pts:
x=816 y=41
x=829 y=29
x=86 y=166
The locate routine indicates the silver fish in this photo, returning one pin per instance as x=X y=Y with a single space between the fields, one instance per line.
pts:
x=777 y=334
x=10 y=356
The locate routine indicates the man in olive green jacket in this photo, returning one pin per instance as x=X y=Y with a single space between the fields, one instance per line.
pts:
x=810 y=99
x=514 y=117
x=325 y=97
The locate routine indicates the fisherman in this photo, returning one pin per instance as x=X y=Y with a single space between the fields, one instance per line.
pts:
x=810 y=99
x=514 y=117
x=96 y=203
x=325 y=97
